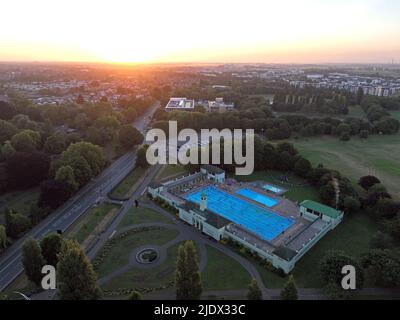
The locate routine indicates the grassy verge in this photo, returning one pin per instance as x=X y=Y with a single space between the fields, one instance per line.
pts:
x=141 y=215
x=171 y=171
x=223 y=272
x=124 y=189
x=90 y=221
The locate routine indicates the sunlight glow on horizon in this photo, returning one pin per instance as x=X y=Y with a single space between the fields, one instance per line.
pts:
x=302 y=31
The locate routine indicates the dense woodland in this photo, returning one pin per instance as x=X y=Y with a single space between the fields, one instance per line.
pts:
x=59 y=148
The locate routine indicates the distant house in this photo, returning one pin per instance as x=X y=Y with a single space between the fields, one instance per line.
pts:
x=182 y=104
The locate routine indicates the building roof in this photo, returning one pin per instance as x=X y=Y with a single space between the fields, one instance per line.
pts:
x=212 y=218
x=285 y=253
x=319 y=207
x=212 y=169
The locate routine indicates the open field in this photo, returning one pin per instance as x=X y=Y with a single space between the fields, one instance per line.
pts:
x=378 y=155
x=125 y=188
x=141 y=215
x=20 y=201
x=223 y=273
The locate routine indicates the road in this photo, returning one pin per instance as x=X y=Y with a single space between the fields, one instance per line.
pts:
x=11 y=261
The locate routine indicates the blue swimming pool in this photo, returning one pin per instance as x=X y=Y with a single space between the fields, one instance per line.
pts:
x=267 y=201
x=254 y=218
x=272 y=188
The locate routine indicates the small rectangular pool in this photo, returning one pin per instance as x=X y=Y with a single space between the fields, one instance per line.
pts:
x=260 y=198
x=261 y=221
x=272 y=188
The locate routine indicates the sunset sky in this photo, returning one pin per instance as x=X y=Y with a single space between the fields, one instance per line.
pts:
x=284 y=31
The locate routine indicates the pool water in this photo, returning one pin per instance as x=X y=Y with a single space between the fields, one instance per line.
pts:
x=272 y=188
x=266 y=224
x=260 y=198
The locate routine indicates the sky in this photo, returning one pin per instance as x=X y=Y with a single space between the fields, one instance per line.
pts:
x=207 y=31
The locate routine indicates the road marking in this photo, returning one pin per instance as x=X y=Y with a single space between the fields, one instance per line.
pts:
x=112 y=234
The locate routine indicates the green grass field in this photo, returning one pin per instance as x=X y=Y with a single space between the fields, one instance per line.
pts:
x=118 y=256
x=20 y=201
x=223 y=273
x=378 y=155
x=141 y=215
x=124 y=189
x=91 y=219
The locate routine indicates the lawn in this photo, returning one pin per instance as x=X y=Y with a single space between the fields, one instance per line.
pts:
x=125 y=187
x=90 y=221
x=116 y=251
x=297 y=190
x=159 y=277
x=20 y=201
x=141 y=215
x=223 y=273
x=171 y=171
x=378 y=155
x=352 y=236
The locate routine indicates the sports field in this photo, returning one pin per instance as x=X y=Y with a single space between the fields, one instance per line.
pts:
x=378 y=155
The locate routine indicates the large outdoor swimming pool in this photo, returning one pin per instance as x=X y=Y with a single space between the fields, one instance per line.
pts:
x=267 y=201
x=266 y=224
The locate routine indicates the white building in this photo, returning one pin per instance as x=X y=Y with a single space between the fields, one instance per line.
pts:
x=182 y=104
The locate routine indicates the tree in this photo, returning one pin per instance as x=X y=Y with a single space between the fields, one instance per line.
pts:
x=129 y=136
x=289 y=291
x=27 y=170
x=364 y=134
x=335 y=292
x=23 y=142
x=382 y=267
x=135 y=295
x=3 y=238
x=331 y=267
x=302 y=167
x=86 y=159
x=344 y=136
x=7 y=130
x=51 y=247
x=66 y=174
x=16 y=223
x=55 y=144
x=7 y=150
x=76 y=279
x=54 y=193
x=254 y=292
x=351 y=204
x=141 y=160
x=187 y=276
x=32 y=260
x=360 y=95
x=7 y=111
x=367 y=182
